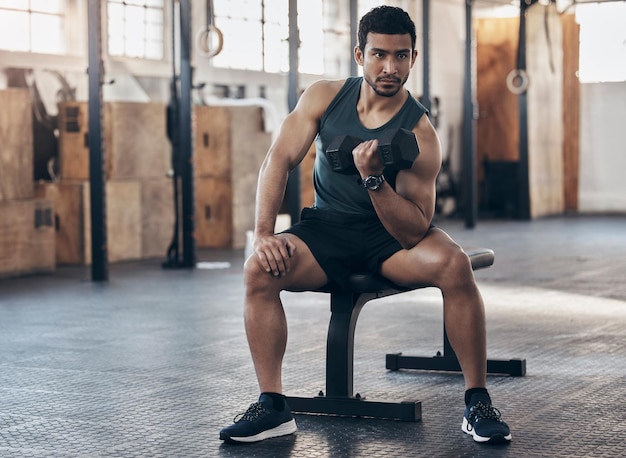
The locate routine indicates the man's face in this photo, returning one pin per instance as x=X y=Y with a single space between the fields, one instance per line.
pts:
x=387 y=61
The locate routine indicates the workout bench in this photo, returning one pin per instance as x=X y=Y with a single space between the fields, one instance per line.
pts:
x=345 y=306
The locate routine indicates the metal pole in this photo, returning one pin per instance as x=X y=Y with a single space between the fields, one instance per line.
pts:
x=354 y=23
x=293 y=183
x=523 y=185
x=426 y=52
x=99 y=258
x=185 y=129
x=469 y=149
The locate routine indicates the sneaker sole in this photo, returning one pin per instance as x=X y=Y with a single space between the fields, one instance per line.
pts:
x=284 y=429
x=496 y=439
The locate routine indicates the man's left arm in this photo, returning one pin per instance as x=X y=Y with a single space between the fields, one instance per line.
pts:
x=406 y=212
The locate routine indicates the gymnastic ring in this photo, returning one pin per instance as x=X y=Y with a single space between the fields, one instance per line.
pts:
x=203 y=41
x=517 y=75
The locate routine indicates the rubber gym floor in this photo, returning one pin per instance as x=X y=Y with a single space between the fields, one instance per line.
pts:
x=154 y=362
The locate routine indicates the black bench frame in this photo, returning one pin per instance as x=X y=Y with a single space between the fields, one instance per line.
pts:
x=345 y=306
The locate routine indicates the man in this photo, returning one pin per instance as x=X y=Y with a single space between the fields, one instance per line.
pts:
x=378 y=217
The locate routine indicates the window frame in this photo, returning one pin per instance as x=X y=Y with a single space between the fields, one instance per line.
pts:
x=139 y=66
x=74 y=12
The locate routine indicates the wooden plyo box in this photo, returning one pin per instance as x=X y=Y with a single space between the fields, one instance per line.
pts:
x=73 y=220
x=212 y=142
x=157 y=216
x=73 y=121
x=69 y=207
x=27 y=241
x=16 y=145
x=214 y=213
x=230 y=145
x=135 y=140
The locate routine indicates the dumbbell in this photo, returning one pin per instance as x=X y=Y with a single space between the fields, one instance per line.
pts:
x=397 y=148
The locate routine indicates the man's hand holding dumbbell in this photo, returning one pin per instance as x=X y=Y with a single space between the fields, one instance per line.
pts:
x=369 y=165
x=397 y=149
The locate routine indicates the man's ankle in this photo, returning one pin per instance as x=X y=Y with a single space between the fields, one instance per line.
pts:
x=480 y=392
x=278 y=399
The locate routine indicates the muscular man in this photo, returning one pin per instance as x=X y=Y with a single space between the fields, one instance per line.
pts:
x=382 y=224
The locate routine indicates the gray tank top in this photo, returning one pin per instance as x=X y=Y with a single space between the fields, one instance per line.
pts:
x=344 y=193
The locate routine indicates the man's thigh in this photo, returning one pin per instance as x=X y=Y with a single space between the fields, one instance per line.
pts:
x=333 y=241
x=306 y=274
x=422 y=263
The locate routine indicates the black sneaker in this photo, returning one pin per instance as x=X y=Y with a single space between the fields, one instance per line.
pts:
x=260 y=421
x=482 y=421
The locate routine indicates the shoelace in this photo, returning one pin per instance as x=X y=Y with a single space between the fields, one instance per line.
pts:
x=255 y=411
x=482 y=411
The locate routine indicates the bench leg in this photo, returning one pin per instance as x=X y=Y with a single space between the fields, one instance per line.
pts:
x=339 y=398
x=449 y=362
x=356 y=407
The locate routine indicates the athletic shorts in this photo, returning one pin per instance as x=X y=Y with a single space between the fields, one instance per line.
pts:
x=344 y=244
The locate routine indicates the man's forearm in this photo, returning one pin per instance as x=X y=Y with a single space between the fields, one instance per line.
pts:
x=403 y=219
x=270 y=194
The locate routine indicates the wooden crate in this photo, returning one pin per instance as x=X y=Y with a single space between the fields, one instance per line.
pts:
x=157 y=216
x=214 y=213
x=27 y=241
x=69 y=208
x=212 y=143
x=139 y=144
x=73 y=217
x=73 y=160
x=123 y=214
x=16 y=145
x=135 y=140
x=231 y=144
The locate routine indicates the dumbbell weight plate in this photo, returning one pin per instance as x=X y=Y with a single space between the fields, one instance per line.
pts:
x=339 y=153
x=398 y=148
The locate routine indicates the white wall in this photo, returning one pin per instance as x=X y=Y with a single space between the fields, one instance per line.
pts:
x=602 y=182
x=447 y=55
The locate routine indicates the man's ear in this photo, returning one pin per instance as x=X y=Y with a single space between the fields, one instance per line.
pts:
x=415 y=53
x=358 y=56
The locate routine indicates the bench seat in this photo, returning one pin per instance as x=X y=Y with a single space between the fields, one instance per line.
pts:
x=345 y=305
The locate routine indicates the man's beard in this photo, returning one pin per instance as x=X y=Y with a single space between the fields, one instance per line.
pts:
x=385 y=93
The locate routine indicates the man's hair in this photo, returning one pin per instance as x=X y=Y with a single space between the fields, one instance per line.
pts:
x=388 y=20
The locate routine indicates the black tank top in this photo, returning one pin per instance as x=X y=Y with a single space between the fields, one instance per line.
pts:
x=344 y=193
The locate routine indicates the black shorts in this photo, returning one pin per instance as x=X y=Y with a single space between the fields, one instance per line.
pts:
x=343 y=244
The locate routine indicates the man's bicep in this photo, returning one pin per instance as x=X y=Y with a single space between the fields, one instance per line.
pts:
x=418 y=184
x=300 y=127
x=418 y=188
x=294 y=139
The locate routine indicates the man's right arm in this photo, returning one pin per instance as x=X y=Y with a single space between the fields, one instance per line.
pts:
x=294 y=138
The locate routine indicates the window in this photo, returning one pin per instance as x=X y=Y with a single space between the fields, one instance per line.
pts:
x=256 y=34
x=241 y=23
x=602 y=42
x=33 y=26
x=311 y=53
x=136 y=28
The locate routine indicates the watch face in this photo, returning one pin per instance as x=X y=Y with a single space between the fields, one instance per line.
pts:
x=373 y=182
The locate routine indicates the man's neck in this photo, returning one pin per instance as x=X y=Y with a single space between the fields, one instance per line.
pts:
x=374 y=110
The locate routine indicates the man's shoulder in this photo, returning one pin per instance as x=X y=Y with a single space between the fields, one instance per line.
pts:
x=319 y=95
x=326 y=87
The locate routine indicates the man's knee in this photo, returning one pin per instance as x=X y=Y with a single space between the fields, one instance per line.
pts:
x=256 y=278
x=457 y=267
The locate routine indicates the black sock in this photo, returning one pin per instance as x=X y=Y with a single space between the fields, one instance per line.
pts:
x=277 y=399
x=471 y=391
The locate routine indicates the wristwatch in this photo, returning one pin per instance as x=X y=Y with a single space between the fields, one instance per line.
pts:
x=373 y=182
